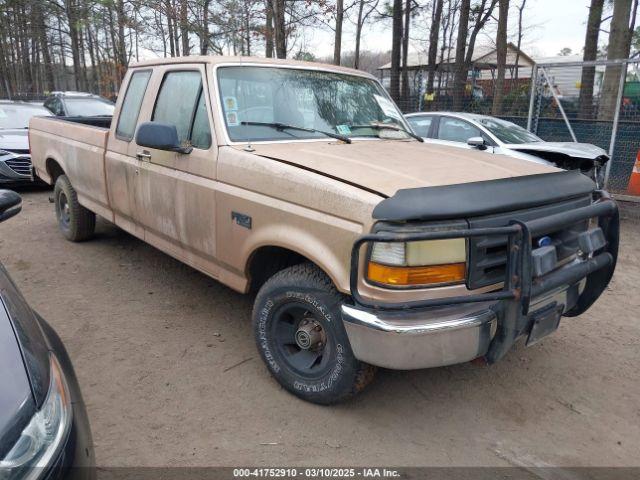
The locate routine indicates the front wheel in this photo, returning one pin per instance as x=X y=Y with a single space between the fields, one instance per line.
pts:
x=300 y=336
x=76 y=222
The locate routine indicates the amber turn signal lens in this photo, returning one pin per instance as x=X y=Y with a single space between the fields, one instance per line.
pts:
x=414 y=276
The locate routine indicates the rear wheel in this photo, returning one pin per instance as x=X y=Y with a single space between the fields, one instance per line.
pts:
x=75 y=222
x=300 y=336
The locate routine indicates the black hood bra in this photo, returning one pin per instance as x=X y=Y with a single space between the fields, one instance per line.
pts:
x=464 y=200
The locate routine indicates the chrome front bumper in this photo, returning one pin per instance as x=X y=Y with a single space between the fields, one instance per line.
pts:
x=419 y=338
x=434 y=337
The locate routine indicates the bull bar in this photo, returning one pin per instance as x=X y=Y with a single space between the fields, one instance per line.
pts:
x=511 y=304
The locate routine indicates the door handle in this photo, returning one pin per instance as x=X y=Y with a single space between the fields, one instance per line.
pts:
x=144 y=156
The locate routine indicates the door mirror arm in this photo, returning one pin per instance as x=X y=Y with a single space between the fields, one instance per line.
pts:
x=161 y=136
x=184 y=150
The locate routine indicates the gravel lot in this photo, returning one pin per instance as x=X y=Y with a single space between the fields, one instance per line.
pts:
x=170 y=374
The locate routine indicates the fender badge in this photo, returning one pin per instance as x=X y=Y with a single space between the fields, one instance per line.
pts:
x=241 y=219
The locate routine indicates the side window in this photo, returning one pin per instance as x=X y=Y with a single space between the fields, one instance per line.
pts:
x=55 y=105
x=131 y=105
x=59 y=107
x=49 y=105
x=456 y=130
x=200 y=132
x=421 y=125
x=181 y=103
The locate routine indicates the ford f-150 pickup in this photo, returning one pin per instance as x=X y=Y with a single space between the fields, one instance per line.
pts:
x=303 y=184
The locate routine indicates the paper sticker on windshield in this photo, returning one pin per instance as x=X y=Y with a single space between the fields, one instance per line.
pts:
x=232 y=119
x=387 y=106
x=230 y=104
x=343 y=129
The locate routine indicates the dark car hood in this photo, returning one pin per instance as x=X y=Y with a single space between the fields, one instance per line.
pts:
x=35 y=350
x=24 y=359
x=14 y=139
x=17 y=404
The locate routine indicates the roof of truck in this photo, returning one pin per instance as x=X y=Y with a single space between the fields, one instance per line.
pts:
x=218 y=60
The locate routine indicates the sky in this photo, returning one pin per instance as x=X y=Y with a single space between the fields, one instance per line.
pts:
x=552 y=25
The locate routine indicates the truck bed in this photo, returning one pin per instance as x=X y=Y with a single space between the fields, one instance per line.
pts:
x=91 y=130
x=78 y=146
x=100 y=122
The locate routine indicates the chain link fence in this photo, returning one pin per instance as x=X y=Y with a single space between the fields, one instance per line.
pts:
x=571 y=101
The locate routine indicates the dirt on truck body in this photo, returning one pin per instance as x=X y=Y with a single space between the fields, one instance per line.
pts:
x=303 y=183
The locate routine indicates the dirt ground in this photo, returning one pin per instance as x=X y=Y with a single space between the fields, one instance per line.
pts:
x=170 y=374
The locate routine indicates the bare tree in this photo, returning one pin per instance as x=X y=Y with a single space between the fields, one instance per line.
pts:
x=41 y=34
x=396 y=49
x=434 y=32
x=184 y=27
x=460 y=70
x=122 y=62
x=405 y=50
x=448 y=29
x=501 y=57
x=71 y=10
x=619 y=47
x=361 y=19
x=590 y=54
x=337 y=46
x=520 y=35
x=269 y=28
x=279 y=28
x=480 y=13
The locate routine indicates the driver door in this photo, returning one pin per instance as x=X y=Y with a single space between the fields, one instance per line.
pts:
x=455 y=132
x=175 y=197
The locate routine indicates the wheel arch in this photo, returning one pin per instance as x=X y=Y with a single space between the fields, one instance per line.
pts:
x=54 y=169
x=267 y=259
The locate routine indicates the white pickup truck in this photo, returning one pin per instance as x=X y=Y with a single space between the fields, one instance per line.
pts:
x=303 y=183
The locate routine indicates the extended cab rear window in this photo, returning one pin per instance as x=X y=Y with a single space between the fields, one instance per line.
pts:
x=131 y=104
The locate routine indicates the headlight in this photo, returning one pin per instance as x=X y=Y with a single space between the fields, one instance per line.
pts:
x=422 y=263
x=4 y=152
x=41 y=440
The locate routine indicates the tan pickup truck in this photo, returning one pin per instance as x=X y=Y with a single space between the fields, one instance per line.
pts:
x=303 y=183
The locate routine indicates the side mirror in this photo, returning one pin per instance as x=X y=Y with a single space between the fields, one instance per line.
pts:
x=160 y=136
x=10 y=204
x=477 y=142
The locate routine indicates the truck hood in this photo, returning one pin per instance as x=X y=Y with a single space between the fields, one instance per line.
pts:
x=14 y=139
x=386 y=166
x=571 y=149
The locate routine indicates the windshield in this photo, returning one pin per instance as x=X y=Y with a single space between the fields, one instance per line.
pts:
x=88 y=107
x=257 y=101
x=18 y=116
x=508 y=132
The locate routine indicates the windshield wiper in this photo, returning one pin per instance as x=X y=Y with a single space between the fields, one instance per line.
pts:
x=387 y=126
x=286 y=126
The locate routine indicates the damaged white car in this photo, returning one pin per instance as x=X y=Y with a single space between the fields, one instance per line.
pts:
x=467 y=130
